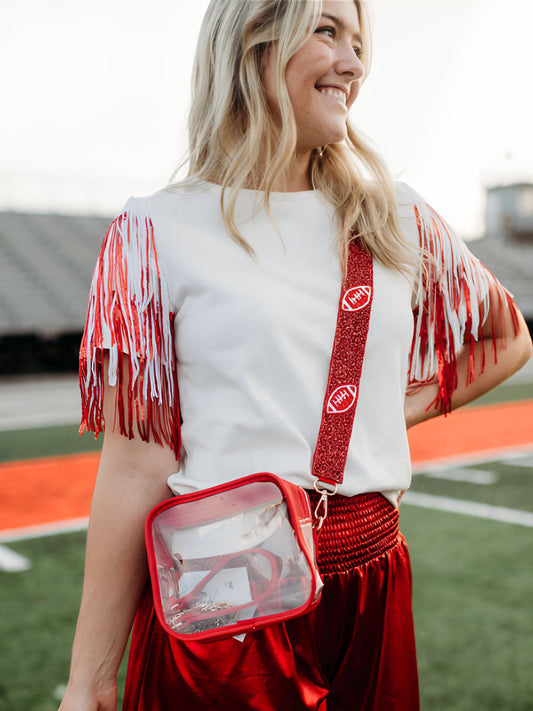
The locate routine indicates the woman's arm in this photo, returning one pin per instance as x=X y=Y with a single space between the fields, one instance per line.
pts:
x=131 y=480
x=513 y=350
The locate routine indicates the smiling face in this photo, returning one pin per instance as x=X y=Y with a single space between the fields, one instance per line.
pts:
x=323 y=77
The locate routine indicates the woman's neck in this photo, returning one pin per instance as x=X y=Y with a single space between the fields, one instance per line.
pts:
x=297 y=176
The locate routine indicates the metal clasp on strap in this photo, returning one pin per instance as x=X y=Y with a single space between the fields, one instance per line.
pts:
x=321 y=510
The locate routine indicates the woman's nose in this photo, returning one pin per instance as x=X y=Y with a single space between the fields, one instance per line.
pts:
x=349 y=63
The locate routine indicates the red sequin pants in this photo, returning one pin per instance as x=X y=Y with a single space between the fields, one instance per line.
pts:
x=354 y=652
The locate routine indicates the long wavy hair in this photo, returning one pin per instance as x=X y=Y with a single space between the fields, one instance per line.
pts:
x=235 y=141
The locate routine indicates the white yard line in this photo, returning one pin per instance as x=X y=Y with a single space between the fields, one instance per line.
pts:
x=46 y=529
x=482 y=477
x=469 y=508
x=59 y=692
x=11 y=562
x=462 y=460
x=520 y=461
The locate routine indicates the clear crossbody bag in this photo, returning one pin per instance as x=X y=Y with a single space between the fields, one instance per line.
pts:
x=232 y=558
x=241 y=555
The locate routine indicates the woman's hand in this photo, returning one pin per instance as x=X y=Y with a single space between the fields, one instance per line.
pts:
x=104 y=700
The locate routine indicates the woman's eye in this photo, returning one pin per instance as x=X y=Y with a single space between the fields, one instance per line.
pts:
x=358 y=51
x=326 y=30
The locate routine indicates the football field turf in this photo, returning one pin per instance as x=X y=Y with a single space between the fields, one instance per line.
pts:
x=473 y=569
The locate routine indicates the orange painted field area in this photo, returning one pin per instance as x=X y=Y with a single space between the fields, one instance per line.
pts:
x=474 y=430
x=41 y=491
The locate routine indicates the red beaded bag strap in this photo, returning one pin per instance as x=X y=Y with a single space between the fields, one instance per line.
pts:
x=345 y=368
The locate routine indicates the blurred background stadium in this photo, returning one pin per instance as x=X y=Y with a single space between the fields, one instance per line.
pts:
x=92 y=120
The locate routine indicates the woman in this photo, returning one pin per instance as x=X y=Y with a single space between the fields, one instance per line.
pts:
x=228 y=284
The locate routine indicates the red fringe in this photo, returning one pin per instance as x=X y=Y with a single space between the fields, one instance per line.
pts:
x=129 y=317
x=453 y=304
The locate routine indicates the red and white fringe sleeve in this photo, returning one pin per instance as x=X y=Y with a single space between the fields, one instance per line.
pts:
x=456 y=295
x=129 y=317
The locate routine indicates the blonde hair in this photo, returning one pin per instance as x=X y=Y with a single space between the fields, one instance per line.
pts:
x=235 y=141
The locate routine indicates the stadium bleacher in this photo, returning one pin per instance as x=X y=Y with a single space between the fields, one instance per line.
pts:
x=507 y=248
x=46 y=264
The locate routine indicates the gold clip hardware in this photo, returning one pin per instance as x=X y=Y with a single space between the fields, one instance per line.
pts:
x=321 y=510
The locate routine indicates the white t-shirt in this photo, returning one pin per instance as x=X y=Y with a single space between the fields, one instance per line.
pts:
x=253 y=336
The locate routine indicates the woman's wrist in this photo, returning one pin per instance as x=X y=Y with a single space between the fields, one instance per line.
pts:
x=84 y=698
x=91 y=682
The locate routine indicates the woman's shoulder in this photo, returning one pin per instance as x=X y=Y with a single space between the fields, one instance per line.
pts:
x=406 y=196
x=170 y=211
x=172 y=196
x=407 y=199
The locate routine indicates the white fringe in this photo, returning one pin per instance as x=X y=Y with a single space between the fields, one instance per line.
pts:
x=129 y=313
x=460 y=280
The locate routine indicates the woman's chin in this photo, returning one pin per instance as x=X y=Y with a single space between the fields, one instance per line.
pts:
x=336 y=135
x=326 y=140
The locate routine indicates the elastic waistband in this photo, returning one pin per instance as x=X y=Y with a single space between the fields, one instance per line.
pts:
x=357 y=530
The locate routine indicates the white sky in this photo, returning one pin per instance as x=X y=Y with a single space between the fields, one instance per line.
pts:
x=95 y=94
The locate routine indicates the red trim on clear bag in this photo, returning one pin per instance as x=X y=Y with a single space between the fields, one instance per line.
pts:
x=299 y=513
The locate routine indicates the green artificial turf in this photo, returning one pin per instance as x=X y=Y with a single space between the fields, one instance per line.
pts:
x=46 y=442
x=473 y=581
x=506 y=393
x=39 y=610
x=513 y=488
